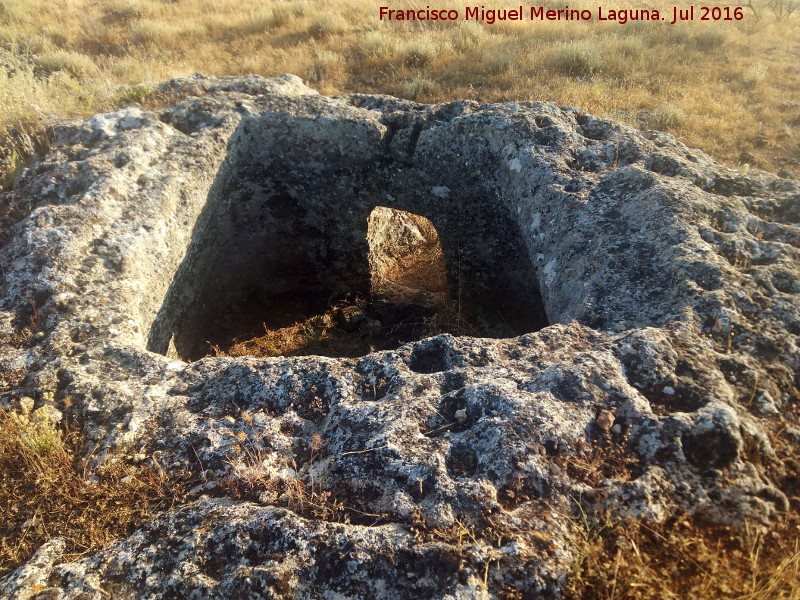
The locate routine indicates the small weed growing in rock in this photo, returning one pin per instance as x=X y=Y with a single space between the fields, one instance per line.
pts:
x=15 y=163
x=263 y=477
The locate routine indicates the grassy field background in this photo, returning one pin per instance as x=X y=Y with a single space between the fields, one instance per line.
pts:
x=729 y=88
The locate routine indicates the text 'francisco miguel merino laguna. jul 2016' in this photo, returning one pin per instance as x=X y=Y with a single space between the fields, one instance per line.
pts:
x=621 y=16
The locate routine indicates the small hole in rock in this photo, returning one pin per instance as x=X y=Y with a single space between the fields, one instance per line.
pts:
x=462 y=462
x=430 y=357
x=713 y=449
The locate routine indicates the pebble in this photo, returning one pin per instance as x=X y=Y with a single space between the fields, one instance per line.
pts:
x=765 y=405
x=34 y=522
x=605 y=420
x=179 y=388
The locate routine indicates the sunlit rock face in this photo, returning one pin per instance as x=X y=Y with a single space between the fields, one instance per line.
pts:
x=643 y=303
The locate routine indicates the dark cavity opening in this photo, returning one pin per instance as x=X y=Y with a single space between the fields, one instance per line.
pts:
x=314 y=252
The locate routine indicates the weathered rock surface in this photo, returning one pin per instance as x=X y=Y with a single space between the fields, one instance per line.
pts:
x=665 y=380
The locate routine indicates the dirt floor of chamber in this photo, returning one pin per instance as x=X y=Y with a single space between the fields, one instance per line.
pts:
x=412 y=302
x=353 y=325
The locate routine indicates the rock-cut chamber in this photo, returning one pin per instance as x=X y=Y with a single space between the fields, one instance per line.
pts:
x=299 y=235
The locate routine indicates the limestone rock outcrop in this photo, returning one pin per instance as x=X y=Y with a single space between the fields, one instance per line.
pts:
x=656 y=295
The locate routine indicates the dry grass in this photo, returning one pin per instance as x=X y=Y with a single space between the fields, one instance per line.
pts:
x=726 y=88
x=685 y=559
x=46 y=491
x=320 y=335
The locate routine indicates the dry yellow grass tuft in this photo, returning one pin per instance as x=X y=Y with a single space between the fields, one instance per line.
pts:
x=685 y=559
x=46 y=491
x=729 y=88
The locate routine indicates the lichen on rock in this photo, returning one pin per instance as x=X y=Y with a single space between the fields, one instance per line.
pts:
x=650 y=297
